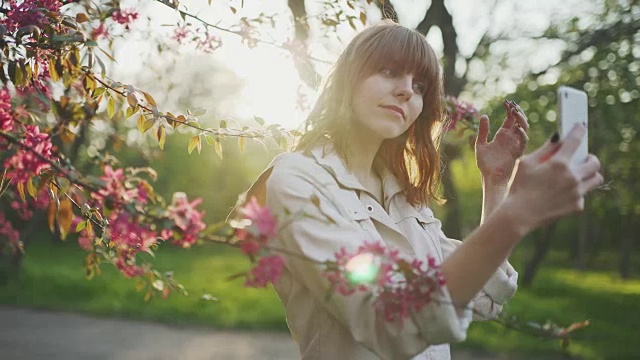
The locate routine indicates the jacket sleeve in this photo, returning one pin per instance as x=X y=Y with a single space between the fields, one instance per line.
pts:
x=500 y=287
x=325 y=228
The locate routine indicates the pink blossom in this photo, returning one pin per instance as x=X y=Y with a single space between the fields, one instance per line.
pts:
x=458 y=111
x=399 y=286
x=99 y=32
x=127 y=233
x=125 y=17
x=209 y=43
x=259 y=228
x=261 y=217
x=268 y=270
x=6 y=119
x=24 y=164
x=186 y=219
x=181 y=33
x=10 y=234
x=127 y=266
x=29 y=12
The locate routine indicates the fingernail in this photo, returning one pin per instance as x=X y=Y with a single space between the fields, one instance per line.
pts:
x=555 y=137
x=505 y=104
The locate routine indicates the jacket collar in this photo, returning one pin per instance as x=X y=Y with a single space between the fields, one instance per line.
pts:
x=328 y=158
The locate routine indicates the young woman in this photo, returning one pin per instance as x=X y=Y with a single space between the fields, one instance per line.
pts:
x=369 y=157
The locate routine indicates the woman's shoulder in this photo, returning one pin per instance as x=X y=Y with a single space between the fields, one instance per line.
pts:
x=296 y=164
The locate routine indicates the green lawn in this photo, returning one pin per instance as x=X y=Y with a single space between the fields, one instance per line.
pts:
x=53 y=278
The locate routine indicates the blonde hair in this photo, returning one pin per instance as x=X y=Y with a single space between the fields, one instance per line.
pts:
x=412 y=157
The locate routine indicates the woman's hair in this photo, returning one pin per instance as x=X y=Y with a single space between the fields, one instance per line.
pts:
x=413 y=157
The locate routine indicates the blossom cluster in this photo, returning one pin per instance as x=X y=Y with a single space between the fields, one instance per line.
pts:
x=32 y=12
x=125 y=17
x=254 y=233
x=458 y=110
x=6 y=118
x=25 y=164
x=186 y=219
x=203 y=40
x=399 y=286
x=10 y=234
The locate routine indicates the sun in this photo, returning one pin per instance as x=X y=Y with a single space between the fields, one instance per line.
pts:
x=272 y=86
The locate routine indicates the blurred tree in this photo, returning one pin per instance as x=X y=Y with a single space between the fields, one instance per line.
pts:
x=601 y=56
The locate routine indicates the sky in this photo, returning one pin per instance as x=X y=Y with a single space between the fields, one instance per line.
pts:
x=270 y=85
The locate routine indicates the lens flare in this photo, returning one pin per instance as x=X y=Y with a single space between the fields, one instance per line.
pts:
x=362 y=269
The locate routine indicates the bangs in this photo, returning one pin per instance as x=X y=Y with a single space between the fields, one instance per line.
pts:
x=403 y=51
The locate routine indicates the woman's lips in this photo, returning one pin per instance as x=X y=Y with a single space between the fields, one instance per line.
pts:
x=395 y=109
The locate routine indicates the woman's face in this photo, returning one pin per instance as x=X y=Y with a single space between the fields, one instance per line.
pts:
x=387 y=103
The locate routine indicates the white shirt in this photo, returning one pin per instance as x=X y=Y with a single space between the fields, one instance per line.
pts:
x=349 y=327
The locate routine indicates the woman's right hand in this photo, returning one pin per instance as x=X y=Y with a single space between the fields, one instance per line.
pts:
x=546 y=187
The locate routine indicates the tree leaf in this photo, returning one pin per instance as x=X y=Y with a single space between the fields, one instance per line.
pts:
x=51 y=215
x=363 y=18
x=161 y=136
x=149 y=99
x=259 y=120
x=111 y=108
x=82 y=17
x=193 y=142
x=20 y=187
x=241 y=143
x=141 y=121
x=218 y=147
x=65 y=217
x=132 y=99
x=209 y=139
x=148 y=124
x=67 y=136
x=81 y=225
x=89 y=227
x=31 y=188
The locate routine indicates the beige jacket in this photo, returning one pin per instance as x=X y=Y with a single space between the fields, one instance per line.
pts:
x=347 y=327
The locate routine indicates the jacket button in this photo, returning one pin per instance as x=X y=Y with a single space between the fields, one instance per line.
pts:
x=369 y=209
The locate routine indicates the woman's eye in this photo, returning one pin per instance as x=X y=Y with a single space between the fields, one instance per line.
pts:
x=419 y=88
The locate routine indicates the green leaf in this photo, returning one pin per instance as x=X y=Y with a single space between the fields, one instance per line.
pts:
x=81 y=225
x=31 y=189
x=218 y=147
x=111 y=108
x=193 y=142
x=209 y=139
x=259 y=120
x=141 y=123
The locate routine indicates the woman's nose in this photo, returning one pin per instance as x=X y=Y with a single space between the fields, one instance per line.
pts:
x=404 y=86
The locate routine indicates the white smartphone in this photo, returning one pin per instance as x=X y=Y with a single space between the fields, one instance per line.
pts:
x=573 y=109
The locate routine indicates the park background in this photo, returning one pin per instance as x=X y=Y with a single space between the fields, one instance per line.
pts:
x=582 y=268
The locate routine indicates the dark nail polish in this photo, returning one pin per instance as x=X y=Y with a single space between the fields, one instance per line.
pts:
x=555 y=137
x=505 y=104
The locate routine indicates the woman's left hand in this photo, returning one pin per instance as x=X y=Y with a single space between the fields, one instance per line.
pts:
x=497 y=158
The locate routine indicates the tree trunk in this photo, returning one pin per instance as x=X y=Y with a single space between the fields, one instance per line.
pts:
x=300 y=58
x=542 y=242
x=438 y=15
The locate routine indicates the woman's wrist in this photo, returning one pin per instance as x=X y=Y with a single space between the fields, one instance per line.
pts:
x=514 y=217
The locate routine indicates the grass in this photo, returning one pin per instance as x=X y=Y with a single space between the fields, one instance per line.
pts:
x=52 y=277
